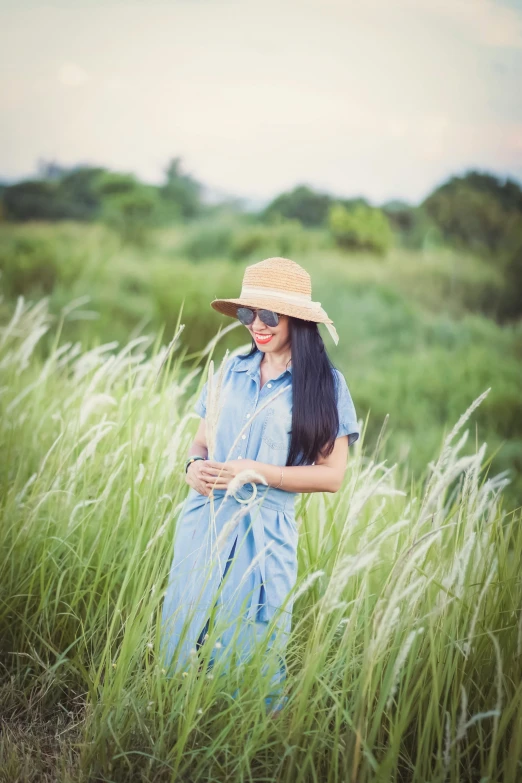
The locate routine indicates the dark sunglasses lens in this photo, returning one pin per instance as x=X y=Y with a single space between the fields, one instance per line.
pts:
x=269 y=317
x=245 y=315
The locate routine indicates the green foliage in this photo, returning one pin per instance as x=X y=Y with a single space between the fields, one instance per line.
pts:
x=303 y=204
x=480 y=212
x=181 y=192
x=67 y=194
x=362 y=228
x=208 y=239
x=284 y=238
x=128 y=206
x=41 y=259
x=408 y=593
x=412 y=312
x=511 y=259
x=28 y=265
x=92 y=193
x=476 y=210
x=33 y=200
x=413 y=227
x=242 y=240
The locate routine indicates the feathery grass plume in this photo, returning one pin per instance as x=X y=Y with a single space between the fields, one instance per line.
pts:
x=380 y=438
x=94 y=402
x=214 y=406
x=168 y=351
x=244 y=477
x=73 y=305
x=519 y=634
x=447 y=742
x=165 y=524
x=385 y=619
x=93 y=436
x=8 y=330
x=84 y=571
x=498 y=658
x=446 y=454
x=454 y=581
x=462 y=724
x=399 y=663
x=209 y=347
x=35 y=332
x=303 y=587
x=472 y=483
x=345 y=568
x=385 y=534
x=230 y=525
x=214 y=403
x=474 y=619
x=93 y=359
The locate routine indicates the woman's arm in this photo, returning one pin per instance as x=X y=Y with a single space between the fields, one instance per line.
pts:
x=198 y=446
x=325 y=476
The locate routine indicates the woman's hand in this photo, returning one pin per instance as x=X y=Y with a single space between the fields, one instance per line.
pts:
x=218 y=475
x=195 y=478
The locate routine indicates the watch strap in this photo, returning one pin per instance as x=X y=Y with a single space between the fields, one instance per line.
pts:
x=190 y=460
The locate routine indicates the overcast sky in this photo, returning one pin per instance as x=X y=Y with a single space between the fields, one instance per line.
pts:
x=381 y=98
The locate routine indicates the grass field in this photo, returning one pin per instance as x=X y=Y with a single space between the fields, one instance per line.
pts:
x=418 y=337
x=405 y=659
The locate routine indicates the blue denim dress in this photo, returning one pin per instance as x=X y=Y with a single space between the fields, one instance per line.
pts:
x=241 y=562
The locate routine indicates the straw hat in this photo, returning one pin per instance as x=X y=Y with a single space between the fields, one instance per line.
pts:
x=278 y=284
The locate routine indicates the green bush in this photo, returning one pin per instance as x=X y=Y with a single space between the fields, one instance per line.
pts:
x=207 y=240
x=413 y=338
x=402 y=650
x=247 y=242
x=285 y=238
x=478 y=212
x=89 y=193
x=129 y=207
x=303 y=204
x=413 y=227
x=363 y=228
x=37 y=258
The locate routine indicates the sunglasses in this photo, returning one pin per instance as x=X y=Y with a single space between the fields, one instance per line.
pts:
x=247 y=316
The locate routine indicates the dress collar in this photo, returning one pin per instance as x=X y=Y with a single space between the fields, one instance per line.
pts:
x=252 y=364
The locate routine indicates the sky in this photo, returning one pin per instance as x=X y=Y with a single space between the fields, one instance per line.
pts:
x=378 y=98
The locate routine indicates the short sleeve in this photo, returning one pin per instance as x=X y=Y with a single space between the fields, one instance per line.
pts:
x=200 y=406
x=347 y=416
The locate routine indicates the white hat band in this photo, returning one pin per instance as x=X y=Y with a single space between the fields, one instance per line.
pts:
x=302 y=299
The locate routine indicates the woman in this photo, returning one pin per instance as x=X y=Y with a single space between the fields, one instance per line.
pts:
x=287 y=414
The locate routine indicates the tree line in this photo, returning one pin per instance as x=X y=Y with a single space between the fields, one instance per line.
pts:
x=476 y=211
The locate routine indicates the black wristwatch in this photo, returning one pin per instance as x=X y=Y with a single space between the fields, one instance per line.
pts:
x=191 y=460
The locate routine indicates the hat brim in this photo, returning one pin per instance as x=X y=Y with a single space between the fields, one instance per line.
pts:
x=229 y=307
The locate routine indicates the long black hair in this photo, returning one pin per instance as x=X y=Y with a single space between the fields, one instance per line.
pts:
x=315 y=418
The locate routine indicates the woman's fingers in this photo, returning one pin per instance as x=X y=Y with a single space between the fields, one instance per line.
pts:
x=218 y=484
x=212 y=463
x=211 y=473
x=216 y=469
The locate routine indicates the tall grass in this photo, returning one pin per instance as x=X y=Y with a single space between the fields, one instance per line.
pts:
x=405 y=657
x=415 y=339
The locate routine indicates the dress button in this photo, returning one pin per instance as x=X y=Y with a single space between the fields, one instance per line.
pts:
x=269 y=385
x=240 y=457
x=243 y=437
x=248 y=415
